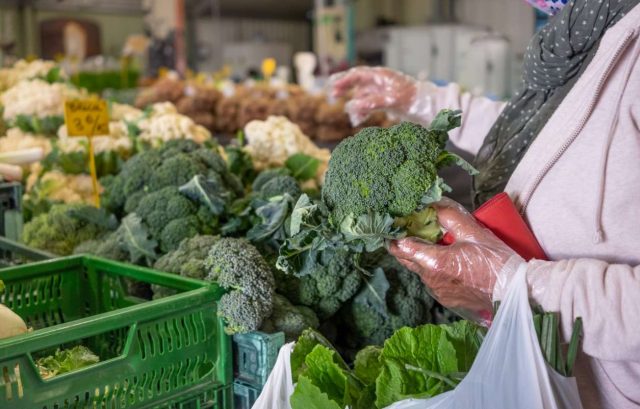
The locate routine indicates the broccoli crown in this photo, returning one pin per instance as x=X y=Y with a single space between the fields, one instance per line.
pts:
x=236 y=265
x=406 y=303
x=290 y=319
x=173 y=164
x=187 y=260
x=64 y=227
x=327 y=289
x=171 y=217
x=382 y=170
x=280 y=185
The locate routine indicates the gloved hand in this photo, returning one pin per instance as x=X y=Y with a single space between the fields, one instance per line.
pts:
x=461 y=276
x=375 y=88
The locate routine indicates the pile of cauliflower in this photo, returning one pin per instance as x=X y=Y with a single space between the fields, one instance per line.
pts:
x=23 y=70
x=37 y=98
x=270 y=143
x=16 y=140
x=56 y=186
x=165 y=123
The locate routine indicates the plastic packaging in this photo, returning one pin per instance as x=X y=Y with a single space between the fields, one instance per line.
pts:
x=279 y=386
x=382 y=89
x=509 y=370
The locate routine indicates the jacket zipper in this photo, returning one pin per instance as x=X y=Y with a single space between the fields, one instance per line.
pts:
x=583 y=120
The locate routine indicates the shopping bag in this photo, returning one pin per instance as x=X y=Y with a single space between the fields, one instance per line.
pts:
x=509 y=371
x=279 y=387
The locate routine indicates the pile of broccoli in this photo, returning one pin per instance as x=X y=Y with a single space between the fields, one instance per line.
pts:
x=65 y=226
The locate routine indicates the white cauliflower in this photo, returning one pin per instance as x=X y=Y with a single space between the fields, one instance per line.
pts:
x=57 y=186
x=165 y=124
x=124 y=112
x=16 y=140
x=270 y=143
x=117 y=141
x=23 y=70
x=37 y=98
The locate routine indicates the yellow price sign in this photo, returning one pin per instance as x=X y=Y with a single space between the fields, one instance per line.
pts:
x=268 y=67
x=86 y=117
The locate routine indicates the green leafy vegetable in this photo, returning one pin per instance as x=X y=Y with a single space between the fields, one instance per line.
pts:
x=67 y=360
x=303 y=167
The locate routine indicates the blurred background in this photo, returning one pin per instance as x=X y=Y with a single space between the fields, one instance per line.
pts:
x=477 y=43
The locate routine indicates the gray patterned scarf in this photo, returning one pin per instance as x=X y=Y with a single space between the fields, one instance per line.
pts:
x=556 y=57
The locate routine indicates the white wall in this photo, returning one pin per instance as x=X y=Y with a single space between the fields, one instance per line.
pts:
x=229 y=30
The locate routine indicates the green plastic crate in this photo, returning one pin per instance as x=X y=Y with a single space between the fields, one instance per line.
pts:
x=13 y=253
x=11 y=210
x=167 y=353
x=244 y=396
x=254 y=355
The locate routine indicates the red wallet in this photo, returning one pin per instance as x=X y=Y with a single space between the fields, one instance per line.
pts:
x=500 y=215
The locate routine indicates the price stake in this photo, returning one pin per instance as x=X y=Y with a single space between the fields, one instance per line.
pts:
x=88 y=117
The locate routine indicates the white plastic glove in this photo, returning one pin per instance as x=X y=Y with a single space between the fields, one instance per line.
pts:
x=381 y=89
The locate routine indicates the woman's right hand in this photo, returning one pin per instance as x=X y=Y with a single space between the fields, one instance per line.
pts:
x=374 y=88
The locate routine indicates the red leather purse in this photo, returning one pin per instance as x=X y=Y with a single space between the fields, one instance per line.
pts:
x=500 y=215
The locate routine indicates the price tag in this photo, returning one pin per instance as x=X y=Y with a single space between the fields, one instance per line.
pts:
x=86 y=117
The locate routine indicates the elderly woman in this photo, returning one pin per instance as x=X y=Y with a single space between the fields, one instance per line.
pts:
x=566 y=148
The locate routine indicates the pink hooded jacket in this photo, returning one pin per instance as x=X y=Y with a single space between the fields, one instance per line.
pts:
x=578 y=187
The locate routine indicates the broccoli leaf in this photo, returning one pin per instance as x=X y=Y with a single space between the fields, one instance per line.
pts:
x=209 y=193
x=53 y=75
x=449 y=159
x=93 y=215
x=423 y=224
x=446 y=120
x=298 y=255
x=302 y=211
x=369 y=231
x=374 y=293
x=135 y=237
x=434 y=194
x=308 y=396
x=273 y=216
x=303 y=167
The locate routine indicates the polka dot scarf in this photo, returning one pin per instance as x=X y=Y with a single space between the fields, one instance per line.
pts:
x=555 y=59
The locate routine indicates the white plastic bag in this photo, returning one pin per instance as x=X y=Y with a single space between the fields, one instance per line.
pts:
x=509 y=371
x=279 y=387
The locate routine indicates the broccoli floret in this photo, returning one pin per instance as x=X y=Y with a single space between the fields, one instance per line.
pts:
x=327 y=289
x=64 y=227
x=238 y=267
x=171 y=217
x=187 y=260
x=290 y=319
x=280 y=185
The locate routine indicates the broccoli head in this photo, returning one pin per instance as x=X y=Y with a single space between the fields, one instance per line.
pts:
x=187 y=260
x=290 y=319
x=393 y=298
x=390 y=171
x=173 y=164
x=65 y=226
x=171 y=217
x=106 y=246
x=335 y=281
x=237 y=266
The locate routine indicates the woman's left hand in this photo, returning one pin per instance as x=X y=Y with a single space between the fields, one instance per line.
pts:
x=461 y=275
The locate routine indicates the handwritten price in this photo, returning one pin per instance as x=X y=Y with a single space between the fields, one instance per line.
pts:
x=87 y=117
